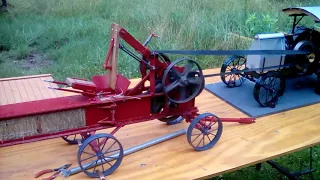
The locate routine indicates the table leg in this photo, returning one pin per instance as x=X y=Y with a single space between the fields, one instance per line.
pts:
x=287 y=173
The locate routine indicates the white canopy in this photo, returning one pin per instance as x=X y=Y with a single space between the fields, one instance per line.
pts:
x=312 y=11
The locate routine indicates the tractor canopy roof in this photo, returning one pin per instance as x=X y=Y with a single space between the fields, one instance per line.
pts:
x=312 y=11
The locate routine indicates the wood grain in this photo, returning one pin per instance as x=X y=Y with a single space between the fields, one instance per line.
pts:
x=240 y=146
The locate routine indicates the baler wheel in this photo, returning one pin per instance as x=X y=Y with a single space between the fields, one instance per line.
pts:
x=231 y=65
x=204 y=131
x=100 y=152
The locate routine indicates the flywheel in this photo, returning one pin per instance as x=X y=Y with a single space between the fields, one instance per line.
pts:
x=183 y=80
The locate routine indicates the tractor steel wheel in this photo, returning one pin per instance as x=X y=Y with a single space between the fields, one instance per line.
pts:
x=183 y=80
x=100 y=152
x=269 y=88
x=230 y=65
x=204 y=131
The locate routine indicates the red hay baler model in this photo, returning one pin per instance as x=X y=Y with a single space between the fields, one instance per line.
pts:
x=167 y=90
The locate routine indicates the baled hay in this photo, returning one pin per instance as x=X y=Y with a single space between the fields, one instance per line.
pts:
x=41 y=124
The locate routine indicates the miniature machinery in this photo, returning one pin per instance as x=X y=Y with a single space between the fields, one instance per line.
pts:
x=272 y=58
x=167 y=90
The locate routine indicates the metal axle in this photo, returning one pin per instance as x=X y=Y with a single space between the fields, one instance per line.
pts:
x=89 y=165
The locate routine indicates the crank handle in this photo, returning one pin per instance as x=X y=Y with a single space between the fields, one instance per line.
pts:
x=151 y=33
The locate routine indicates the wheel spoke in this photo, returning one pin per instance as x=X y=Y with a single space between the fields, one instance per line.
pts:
x=111 y=151
x=183 y=93
x=196 y=138
x=110 y=147
x=200 y=141
x=171 y=86
x=208 y=138
x=176 y=73
x=88 y=158
x=95 y=166
x=88 y=153
x=187 y=68
x=195 y=81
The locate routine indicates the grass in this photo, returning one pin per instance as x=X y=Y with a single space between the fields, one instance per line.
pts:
x=70 y=38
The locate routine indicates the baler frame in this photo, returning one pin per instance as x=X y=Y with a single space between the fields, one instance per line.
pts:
x=107 y=101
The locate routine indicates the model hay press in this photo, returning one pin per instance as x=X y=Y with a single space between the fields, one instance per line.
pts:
x=167 y=90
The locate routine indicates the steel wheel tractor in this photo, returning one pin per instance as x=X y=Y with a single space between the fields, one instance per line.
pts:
x=269 y=72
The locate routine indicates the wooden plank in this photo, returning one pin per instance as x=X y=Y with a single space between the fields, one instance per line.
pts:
x=8 y=92
x=35 y=89
x=57 y=92
x=3 y=98
x=51 y=92
x=113 y=61
x=25 y=77
x=43 y=90
x=22 y=91
x=31 y=94
x=15 y=92
x=239 y=146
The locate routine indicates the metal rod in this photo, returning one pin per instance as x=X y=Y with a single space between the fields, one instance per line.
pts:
x=89 y=165
x=248 y=70
x=133 y=55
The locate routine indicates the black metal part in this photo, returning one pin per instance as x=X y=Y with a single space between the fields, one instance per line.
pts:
x=266 y=92
x=233 y=64
x=290 y=175
x=234 y=52
x=133 y=55
x=250 y=70
x=188 y=84
x=296 y=23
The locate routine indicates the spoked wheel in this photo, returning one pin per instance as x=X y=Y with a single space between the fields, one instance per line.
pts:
x=204 y=131
x=233 y=64
x=182 y=80
x=73 y=139
x=269 y=89
x=101 y=152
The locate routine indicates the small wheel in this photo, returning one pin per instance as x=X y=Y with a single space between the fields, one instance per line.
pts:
x=232 y=64
x=206 y=126
x=101 y=152
x=73 y=139
x=182 y=82
x=269 y=89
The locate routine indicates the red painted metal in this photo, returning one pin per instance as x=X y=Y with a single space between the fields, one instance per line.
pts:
x=105 y=65
x=239 y=120
x=104 y=107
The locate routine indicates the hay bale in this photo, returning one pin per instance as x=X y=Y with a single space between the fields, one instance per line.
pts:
x=41 y=124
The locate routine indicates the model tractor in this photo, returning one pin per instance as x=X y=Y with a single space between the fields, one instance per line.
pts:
x=269 y=72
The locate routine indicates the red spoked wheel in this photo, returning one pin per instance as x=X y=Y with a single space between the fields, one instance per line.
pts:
x=204 y=131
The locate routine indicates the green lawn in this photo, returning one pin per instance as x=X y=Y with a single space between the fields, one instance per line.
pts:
x=70 y=38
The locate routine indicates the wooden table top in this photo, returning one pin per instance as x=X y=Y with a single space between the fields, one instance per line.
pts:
x=239 y=146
